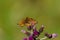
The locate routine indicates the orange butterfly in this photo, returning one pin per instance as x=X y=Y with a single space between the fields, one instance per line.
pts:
x=27 y=22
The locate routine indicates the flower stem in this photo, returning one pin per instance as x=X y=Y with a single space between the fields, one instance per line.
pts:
x=43 y=38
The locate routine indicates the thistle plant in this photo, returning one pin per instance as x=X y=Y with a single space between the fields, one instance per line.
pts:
x=33 y=33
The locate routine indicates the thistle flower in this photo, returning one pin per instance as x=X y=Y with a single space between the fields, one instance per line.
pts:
x=34 y=34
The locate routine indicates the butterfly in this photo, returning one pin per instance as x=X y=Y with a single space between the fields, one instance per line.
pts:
x=27 y=22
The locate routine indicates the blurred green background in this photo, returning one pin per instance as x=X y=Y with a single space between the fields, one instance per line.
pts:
x=46 y=12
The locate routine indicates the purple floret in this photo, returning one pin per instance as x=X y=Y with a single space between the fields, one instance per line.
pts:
x=25 y=39
x=31 y=37
x=35 y=32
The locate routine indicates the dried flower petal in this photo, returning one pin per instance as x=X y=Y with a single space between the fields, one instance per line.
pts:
x=27 y=22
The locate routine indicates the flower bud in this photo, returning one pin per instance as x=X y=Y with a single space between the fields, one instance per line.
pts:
x=54 y=35
x=41 y=29
x=48 y=35
x=25 y=32
x=51 y=35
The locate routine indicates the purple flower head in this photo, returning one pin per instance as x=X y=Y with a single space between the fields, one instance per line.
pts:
x=31 y=37
x=35 y=32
